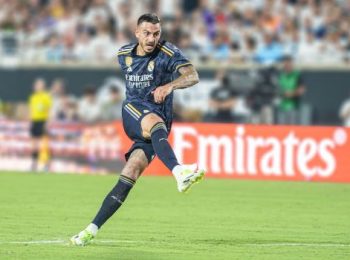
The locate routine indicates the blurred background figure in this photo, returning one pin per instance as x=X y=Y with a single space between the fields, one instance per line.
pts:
x=219 y=49
x=89 y=109
x=67 y=112
x=40 y=103
x=291 y=89
x=222 y=102
x=270 y=51
x=57 y=92
x=64 y=106
x=344 y=112
x=112 y=105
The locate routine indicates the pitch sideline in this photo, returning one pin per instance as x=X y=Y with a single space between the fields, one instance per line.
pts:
x=282 y=244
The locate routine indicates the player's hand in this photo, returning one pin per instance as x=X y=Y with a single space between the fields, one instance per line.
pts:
x=160 y=93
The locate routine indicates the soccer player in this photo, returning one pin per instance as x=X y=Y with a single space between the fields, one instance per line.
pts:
x=40 y=103
x=153 y=70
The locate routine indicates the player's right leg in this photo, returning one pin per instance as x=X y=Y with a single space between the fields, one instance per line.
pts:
x=154 y=128
x=135 y=165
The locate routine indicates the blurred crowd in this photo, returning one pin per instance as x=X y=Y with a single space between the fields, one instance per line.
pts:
x=269 y=95
x=242 y=31
x=94 y=105
x=272 y=95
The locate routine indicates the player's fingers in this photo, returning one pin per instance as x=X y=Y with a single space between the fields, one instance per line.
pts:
x=160 y=96
x=157 y=97
x=155 y=94
x=164 y=94
x=163 y=97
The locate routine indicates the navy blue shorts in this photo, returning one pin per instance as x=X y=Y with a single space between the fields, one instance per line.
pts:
x=133 y=113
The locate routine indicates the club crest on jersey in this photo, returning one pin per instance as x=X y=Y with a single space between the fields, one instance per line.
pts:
x=150 y=66
x=128 y=62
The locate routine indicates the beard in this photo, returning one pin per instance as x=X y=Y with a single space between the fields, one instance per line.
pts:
x=149 y=47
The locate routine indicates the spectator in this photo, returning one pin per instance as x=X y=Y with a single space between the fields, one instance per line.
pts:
x=291 y=89
x=57 y=91
x=219 y=50
x=100 y=45
x=270 y=51
x=112 y=107
x=247 y=49
x=186 y=43
x=68 y=111
x=55 y=49
x=222 y=103
x=309 y=50
x=81 y=49
x=89 y=109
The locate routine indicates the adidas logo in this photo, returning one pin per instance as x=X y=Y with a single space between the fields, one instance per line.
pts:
x=117 y=199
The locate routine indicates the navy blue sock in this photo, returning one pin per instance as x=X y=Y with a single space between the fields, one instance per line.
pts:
x=162 y=147
x=113 y=200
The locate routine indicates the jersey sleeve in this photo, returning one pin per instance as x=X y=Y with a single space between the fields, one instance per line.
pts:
x=176 y=61
x=125 y=50
x=120 y=59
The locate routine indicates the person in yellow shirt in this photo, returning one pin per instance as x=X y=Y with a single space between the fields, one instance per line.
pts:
x=40 y=103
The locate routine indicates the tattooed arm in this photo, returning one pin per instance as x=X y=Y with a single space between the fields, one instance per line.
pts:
x=188 y=78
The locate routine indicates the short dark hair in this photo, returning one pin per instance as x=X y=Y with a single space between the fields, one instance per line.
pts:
x=149 y=18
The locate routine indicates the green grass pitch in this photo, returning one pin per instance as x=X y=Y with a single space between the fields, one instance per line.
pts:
x=218 y=219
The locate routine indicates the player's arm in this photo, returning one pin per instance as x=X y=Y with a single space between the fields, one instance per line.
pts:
x=188 y=77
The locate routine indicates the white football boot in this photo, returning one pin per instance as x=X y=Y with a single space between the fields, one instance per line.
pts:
x=187 y=176
x=84 y=238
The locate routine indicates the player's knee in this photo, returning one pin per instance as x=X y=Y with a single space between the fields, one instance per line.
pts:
x=160 y=126
x=134 y=170
x=148 y=122
x=132 y=173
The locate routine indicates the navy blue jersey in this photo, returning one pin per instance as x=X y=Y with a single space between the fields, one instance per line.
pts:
x=143 y=74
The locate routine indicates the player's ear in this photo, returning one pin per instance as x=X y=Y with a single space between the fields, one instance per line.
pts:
x=137 y=32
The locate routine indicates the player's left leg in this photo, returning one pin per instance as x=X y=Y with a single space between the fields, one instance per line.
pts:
x=154 y=128
x=135 y=165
